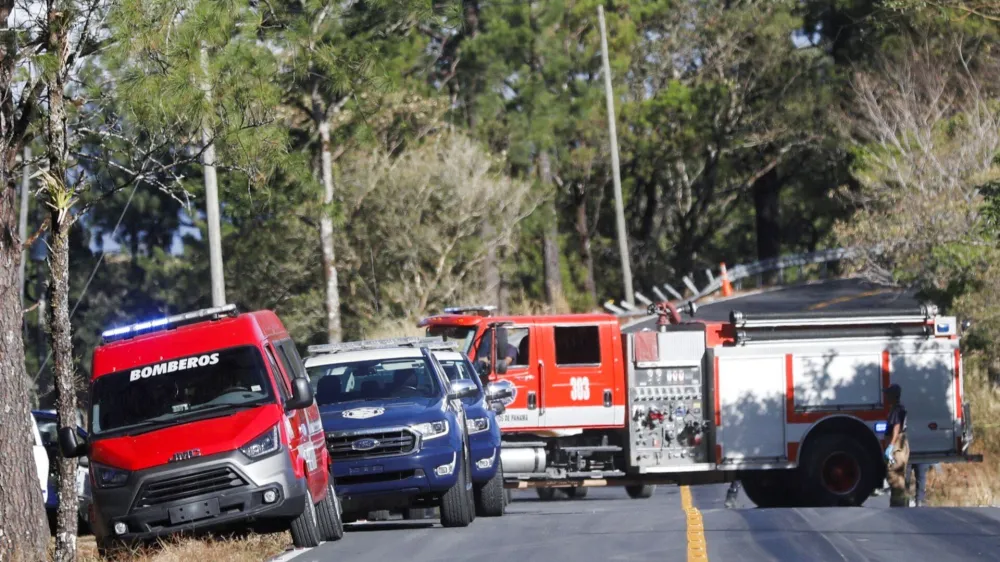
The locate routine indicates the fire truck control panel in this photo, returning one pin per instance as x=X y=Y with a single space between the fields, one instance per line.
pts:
x=666 y=382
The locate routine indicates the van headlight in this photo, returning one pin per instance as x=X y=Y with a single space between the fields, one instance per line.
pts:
x=262 y=445
x=477 y=425
x=431 y=430
x=108 y=476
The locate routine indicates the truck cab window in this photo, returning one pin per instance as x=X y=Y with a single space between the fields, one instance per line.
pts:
x=518 y=348
x=578 y=345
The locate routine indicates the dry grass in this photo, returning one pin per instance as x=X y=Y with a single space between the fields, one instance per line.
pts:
x=242 y=549
x=973 y=484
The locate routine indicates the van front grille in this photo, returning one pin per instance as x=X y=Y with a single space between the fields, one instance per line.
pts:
x=176 y=488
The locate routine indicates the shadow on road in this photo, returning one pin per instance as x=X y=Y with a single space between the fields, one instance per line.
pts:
x=389 y=526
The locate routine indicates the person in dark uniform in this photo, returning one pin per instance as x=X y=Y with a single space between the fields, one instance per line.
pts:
x=897 y=450
x=919 y=471
x=483 y=354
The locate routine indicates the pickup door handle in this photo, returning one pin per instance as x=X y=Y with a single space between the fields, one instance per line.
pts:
x=532 y=400
x=607 y=398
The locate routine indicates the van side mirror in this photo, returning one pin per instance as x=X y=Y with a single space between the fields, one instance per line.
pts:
x=500 y=350
x=302 y=394
x=69 y=444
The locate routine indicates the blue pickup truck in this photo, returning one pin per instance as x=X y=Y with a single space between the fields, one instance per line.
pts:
x=398 y=431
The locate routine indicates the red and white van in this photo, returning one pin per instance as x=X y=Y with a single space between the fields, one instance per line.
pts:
x=205 y=420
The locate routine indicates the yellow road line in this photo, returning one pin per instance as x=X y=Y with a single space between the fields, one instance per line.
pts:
x=848 y=298
x=697 y=549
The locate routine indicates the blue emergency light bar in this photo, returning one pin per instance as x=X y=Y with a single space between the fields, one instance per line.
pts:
x=479 y=310
x=435 y=343
x=174 y=321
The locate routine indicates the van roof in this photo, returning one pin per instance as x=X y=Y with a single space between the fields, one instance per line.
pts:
x=248 y=328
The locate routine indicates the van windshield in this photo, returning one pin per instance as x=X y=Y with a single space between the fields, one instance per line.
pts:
x=376 y=379
x=179 y=391
x=460 y=333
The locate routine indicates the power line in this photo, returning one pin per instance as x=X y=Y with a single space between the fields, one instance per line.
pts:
x=93 y=273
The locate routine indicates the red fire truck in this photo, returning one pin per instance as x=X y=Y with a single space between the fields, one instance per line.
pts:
x=790 y=404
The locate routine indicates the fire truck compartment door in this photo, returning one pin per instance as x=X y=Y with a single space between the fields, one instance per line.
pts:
x=751 y=399
x=926 y=372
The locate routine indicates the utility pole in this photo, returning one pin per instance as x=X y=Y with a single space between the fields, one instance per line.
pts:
x=212 y=197
x=613 y=133
x=22 y=227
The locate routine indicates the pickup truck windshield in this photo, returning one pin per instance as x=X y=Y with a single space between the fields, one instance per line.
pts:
x=179 y=390
x=465 y=335
x=376 y=379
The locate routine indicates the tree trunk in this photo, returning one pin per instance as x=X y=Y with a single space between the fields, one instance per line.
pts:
x=586 y=252
x=333 y=326
x=550 y=240
x=23 y=531
x=62 y=354
x=766 y=191
x=59 y=325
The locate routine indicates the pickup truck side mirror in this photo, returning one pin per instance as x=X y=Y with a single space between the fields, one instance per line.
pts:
x=498 y=407
x=462 y=389
x=70 y=445
x=499 y=391
x=302 y=394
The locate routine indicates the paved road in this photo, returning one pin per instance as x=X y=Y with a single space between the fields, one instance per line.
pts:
x=609 y=526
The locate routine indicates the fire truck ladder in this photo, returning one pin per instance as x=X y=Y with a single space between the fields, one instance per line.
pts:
x=775 y=326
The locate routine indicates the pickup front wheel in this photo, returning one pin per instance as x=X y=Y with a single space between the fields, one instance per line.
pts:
x=331 y=527
x=490 y=499
x=457 y=507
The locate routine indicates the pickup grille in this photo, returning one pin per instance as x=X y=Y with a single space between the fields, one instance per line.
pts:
x=176 y=488
x=375 y=444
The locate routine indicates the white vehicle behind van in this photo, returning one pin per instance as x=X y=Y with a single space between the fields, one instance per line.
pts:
x=41 y=461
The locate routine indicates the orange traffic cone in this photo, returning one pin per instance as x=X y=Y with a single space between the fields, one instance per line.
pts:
x=727 y=288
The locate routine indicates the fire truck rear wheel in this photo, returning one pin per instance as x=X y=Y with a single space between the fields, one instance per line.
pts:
x=305 y=527
x=838 y=472
x=640 y=492
x=330 y=525
x=457 y=508
x=576 y=492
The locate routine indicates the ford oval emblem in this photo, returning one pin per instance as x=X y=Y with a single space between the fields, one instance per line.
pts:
x=365 y=444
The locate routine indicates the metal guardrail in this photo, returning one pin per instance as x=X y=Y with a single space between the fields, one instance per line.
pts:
x=735 y=275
